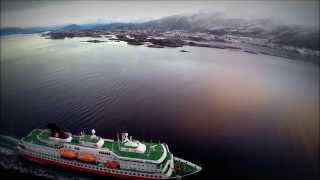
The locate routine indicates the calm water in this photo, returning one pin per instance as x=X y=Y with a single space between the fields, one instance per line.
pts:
x=239 y=115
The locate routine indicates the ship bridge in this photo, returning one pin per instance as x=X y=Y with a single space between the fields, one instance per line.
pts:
x=129 y=145
x=133 y=150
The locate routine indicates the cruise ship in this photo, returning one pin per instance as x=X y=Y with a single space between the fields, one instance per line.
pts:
x=88 y=153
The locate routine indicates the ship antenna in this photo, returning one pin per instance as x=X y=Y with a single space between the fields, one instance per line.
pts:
x=117 y=137
x=112 y=147
x=118 y=140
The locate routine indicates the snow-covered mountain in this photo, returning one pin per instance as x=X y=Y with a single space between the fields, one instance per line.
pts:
x=217 y=23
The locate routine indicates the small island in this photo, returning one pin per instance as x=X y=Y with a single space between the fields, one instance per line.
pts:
x=183 y=50
x=94 y=41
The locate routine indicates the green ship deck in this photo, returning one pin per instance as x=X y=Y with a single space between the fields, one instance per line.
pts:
x=154 y=151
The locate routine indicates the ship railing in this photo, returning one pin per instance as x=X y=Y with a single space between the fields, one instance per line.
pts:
x=116 y=171
x=198 y=168
x=171 y=168
x=167 y=163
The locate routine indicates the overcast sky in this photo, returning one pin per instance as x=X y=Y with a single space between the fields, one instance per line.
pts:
x=48 y=13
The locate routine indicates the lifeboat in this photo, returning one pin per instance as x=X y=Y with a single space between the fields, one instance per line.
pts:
x=87 y=157
x=111 y=164
x=68 y=153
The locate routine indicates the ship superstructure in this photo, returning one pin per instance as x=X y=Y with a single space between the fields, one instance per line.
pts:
x=125 y=157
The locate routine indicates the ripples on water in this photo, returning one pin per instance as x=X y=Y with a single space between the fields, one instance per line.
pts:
x=237 y=114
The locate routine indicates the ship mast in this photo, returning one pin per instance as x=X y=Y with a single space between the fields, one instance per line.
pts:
x=118 y=140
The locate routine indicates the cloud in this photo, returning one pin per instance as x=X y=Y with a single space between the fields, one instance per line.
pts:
x=45 y=13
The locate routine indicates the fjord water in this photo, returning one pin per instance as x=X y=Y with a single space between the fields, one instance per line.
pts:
x=234 y=113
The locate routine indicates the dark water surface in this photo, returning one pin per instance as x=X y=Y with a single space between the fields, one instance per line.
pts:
x=237 y=114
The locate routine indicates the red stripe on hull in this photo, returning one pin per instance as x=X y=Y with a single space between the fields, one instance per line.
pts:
x=83 y=170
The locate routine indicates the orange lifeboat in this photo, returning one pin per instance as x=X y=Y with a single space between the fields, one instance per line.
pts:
x=111 y=164
x=68 y=153
x=87 y=157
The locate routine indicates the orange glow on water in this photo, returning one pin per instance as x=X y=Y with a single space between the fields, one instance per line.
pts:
x=243 y=107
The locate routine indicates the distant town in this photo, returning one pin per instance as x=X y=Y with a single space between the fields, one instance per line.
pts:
x=180 y=38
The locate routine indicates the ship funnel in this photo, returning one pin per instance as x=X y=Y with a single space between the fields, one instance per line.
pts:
x=57 y=131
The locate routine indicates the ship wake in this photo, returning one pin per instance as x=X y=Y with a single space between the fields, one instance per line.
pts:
x=11 y=161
